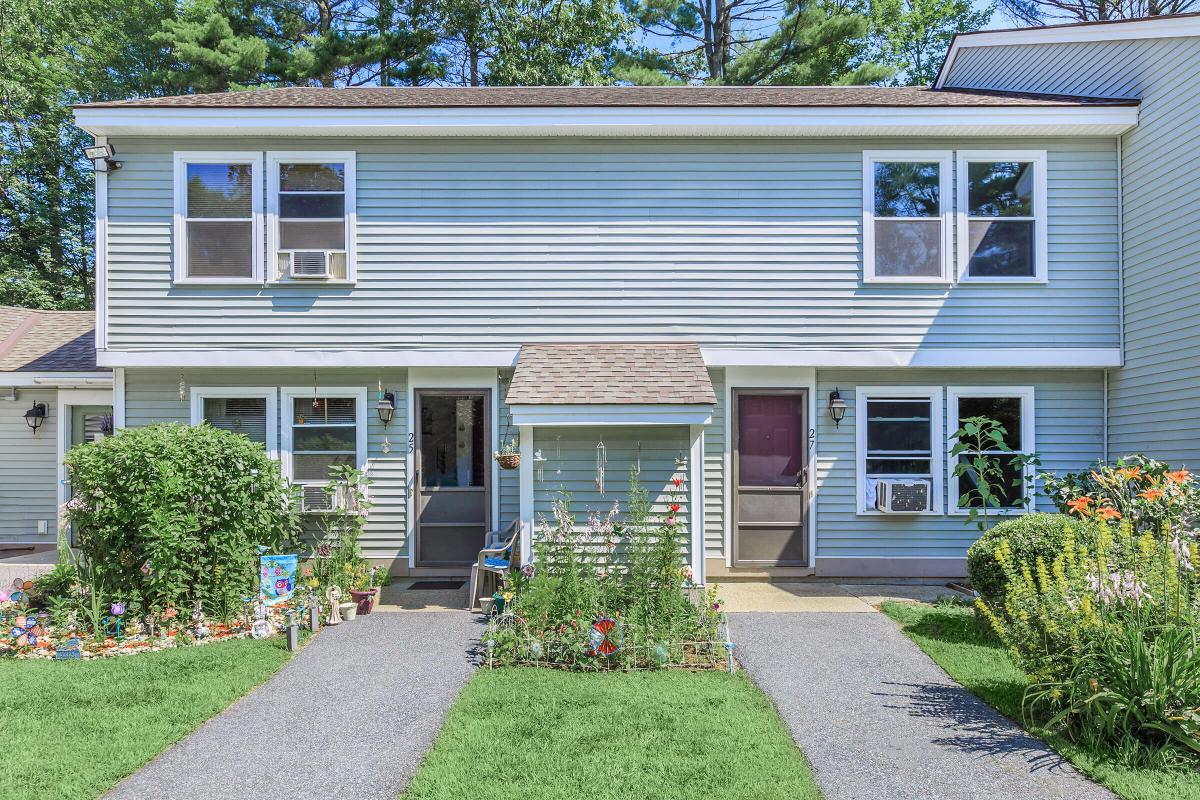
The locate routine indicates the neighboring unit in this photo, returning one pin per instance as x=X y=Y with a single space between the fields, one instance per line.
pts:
x=786 y=298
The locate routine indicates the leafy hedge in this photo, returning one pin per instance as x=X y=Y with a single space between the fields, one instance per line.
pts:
x=167 y=515
x=1028 y=538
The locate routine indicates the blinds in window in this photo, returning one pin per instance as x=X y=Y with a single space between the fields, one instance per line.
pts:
x=247 y=416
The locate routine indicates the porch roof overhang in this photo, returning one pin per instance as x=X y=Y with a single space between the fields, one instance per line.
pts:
x=610 y=383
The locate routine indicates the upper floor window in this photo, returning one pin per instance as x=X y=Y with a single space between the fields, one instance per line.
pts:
x=218 y=206
x=311 y=216
x=1002 y=216
x=905 y=210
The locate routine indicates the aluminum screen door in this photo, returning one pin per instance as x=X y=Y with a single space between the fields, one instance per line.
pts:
x=453 y=460
x=770 y=473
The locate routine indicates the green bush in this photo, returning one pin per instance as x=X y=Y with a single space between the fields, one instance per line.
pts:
x=1029 y=537
x=169 y=515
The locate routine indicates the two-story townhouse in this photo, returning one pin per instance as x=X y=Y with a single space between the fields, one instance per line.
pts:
x=1154 y=396
x=786 y=298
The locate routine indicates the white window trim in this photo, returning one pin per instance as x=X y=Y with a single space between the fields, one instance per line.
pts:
x=1028 y=444
x=277 y=157
x=1040 y=212
x=268 y=393
x=936 y=464
x=289 y=393
x=182 y=159
x=945 y=161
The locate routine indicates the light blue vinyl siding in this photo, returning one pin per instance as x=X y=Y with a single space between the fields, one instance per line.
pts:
x=571 y=466
x=152 y=395
x=1069 y=409
x=714 y=471
x=476 y=243
x=510 y=479
x=28 y=472
x=1154 y=399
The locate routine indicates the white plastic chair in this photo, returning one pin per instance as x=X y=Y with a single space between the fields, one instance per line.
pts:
x=501 y=551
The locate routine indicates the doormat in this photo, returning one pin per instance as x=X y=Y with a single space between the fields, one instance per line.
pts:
x=418 y=585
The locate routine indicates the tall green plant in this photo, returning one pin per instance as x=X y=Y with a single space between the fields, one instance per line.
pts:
x=981 y=439
x=338 y=554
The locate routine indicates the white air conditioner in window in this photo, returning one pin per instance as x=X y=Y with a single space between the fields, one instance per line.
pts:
x=309 y=264
x=898 y=496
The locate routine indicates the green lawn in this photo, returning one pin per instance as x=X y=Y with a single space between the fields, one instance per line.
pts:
x=536 y=734
x=971 y=656
x=73 y=729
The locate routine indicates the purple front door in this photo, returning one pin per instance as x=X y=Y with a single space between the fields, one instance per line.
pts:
x=770 y=473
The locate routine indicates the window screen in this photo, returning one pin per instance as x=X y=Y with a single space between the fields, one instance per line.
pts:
x=219 y=220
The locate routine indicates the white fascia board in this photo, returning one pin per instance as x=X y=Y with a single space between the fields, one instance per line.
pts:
x=502 y=358
x=55 y=379
x=593 y=121
x=563 y=416
x=495 y=357
x=1032 y=357
x=1123 y=30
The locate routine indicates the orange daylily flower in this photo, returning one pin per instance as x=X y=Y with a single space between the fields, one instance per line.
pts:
x=1130 y=473
x=1081 y=506
x=1108 y=513
x=1152 y=494
x=1179 y=476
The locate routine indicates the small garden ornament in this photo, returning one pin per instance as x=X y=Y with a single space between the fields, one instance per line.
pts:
x=333 y=594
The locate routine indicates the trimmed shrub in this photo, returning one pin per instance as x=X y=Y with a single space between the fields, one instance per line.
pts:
x=168 y=515
x=1029 y=537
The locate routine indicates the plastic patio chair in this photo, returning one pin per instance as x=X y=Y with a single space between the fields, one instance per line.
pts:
x=500 y=551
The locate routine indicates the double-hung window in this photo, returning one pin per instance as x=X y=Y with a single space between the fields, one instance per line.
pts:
x=325 y=429
x=1013 y=408
x=899 y=435
x=1002 y=216
x=251 y=412
x=311 y=214
x=906 y=200
x=218 y=216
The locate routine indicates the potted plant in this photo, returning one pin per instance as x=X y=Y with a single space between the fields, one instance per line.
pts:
x=380 y=577
x=364 y=595
x=509 y=454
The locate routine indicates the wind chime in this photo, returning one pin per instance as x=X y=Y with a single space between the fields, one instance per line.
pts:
x=182 y=387
x=601 y=465
x=316 y=402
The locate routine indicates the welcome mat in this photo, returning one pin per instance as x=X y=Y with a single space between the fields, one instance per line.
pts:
x=419 y=585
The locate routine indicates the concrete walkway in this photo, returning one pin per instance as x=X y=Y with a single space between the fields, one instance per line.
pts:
x=351 y=716
x=878 y=720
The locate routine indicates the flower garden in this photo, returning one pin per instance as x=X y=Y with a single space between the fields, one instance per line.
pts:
x=612 y=594
x=1099 y=607
x=184 y=536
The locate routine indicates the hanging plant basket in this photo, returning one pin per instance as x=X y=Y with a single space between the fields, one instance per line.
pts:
x=508 y=460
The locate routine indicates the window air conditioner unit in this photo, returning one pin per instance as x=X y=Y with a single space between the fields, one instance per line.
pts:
x=309 y=264
x=895 y=496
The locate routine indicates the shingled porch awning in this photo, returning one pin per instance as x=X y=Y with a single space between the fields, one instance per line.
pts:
x=609 y=383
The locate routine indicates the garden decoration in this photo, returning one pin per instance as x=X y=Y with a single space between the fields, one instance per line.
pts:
x=26 y=631
x=606 y=637
x=333 y=594
x=601 y=465
x=68 y=650
x=202 y=629
x=293 y=633
x=539 y=461
x=118 y=610
x=314 y=611
x=277 y=578
x=729 y=649
x=349 y=611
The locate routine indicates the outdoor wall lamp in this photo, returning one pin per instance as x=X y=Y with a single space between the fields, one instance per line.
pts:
x=98 y=153
x=386 y=407
x=35 y=416
x=837 y=408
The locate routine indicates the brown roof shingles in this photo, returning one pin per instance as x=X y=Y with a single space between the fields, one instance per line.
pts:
x=615 y=96
x=606 y=373
x=47 y=341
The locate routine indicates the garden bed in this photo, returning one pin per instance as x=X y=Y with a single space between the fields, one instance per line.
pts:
x=971 y=655
x=539 y=734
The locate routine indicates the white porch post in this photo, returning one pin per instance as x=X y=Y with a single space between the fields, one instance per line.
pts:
x=696 y=501
x=526 y=483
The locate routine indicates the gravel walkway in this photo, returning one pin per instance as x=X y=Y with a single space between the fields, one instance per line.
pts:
x=878 y=720
x=351 y=716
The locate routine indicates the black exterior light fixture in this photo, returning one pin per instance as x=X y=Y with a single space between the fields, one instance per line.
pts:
x=386 y=407
x=35 y=416
x=102 y=154
x=837 y=408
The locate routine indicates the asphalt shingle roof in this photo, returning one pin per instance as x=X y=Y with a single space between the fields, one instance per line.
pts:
x=616 y=96
x=603 y=373
x=47 y=341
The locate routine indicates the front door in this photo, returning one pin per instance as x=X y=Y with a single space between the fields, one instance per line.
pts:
x=770 y=475
x=453 y=451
